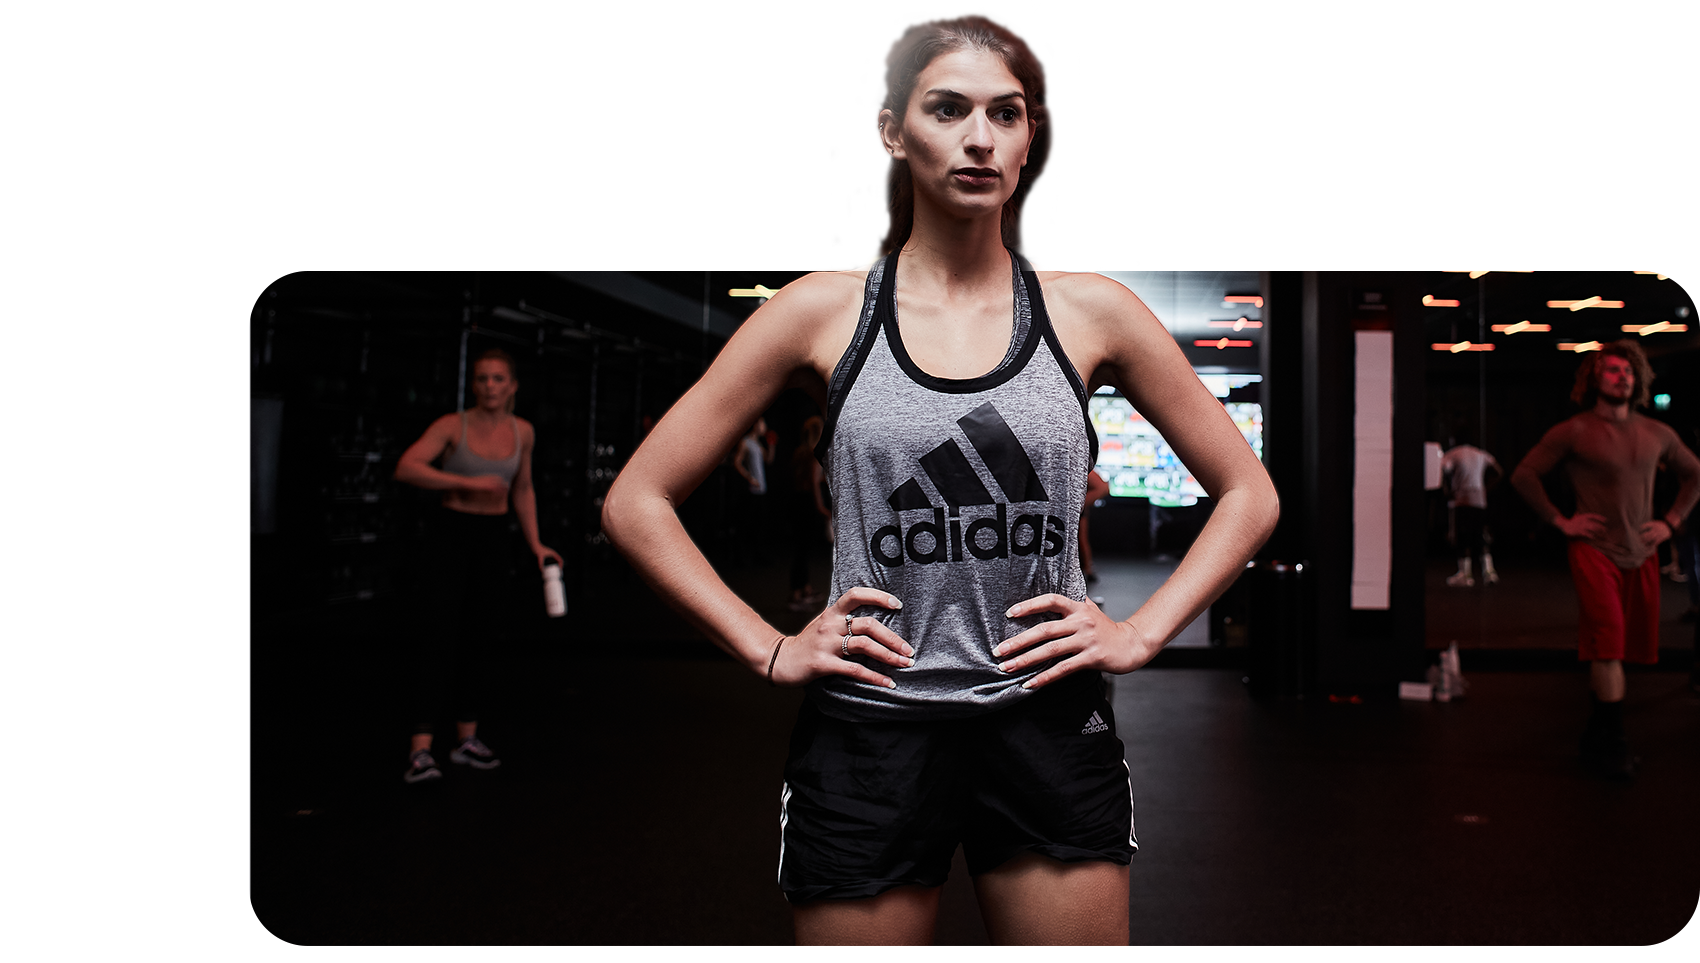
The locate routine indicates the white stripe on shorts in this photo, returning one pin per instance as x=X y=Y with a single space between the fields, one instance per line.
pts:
x=1131 y=840
x=785 y=798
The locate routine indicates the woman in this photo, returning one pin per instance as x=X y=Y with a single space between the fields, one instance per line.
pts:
x=954 y=687
x=486 y=464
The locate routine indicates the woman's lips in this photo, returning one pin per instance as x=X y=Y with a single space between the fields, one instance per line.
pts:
x=975 y=176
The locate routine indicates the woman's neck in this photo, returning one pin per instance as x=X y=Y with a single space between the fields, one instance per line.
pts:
x=957 y=252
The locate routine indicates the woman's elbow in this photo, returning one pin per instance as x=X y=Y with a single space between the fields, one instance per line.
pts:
x=621 y=511
x=614 y=512
x=1269 y=510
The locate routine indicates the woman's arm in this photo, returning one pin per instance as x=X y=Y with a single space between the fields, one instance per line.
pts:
x=789 y=336
x=1112 y=334
x=414 y=465
x=525 y=497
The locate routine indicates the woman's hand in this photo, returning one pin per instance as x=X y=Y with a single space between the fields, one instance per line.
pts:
x=1084 y=633
x=545 y=554
x=823 y=647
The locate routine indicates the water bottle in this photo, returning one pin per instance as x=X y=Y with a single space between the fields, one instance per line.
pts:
x=554 y=593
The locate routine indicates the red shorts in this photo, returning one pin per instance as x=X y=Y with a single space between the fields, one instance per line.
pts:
x=1619 y=607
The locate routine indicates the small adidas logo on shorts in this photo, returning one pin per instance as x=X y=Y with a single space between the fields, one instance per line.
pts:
x=1094 y=724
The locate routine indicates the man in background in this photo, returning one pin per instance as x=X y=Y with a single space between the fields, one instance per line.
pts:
x=1611 y=455
x=1469 y=472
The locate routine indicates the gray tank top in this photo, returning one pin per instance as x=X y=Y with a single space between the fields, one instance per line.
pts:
x=464 y=461
x=959 y=496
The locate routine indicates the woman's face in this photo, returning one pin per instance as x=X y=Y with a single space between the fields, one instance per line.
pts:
x=492 y=384
x=965 y=133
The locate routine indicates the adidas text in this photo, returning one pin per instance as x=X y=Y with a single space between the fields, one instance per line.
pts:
x=983 y=538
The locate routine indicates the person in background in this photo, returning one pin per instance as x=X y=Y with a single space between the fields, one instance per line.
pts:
x=750 y=460
x=1468 y=473
x=1611 y=454
x=485 y=474
x=809 y=515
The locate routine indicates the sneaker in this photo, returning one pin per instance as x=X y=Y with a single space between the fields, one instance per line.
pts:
x=474 y=753
x=424 y=767
x=1460 y=581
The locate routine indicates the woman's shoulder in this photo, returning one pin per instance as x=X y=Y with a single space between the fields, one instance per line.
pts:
x=1081 y=302
x=814 y=316
x=822 y=293
x=1092 y=293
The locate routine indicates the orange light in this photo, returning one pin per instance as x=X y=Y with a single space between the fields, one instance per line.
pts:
x=1254 y=300
x=1662 y=277
x=1578 y=347
x=1594 y=302
x=1460 y=347
x=1239 y=325
x=1521 y=327
x=1222 y=343
x=1654 y=328
x=1430 y=301
x=759 y=291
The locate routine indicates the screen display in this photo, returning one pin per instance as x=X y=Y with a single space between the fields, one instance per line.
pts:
x=1138 y=463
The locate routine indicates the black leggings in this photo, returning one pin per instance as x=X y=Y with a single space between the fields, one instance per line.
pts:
x=1467 y=524
x=465 y=581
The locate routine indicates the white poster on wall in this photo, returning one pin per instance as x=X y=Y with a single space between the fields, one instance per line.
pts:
x=1372 y=472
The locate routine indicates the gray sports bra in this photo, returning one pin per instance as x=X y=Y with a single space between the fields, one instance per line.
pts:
x=464 y=461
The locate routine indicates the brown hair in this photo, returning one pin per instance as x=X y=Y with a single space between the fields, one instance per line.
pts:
x=497 y=354
x=919 y=46
x=1586 y=390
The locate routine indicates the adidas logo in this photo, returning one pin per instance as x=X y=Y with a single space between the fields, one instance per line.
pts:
x=954 y=478
x=1094 y=724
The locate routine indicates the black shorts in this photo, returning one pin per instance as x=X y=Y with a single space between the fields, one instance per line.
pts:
x=867 y=806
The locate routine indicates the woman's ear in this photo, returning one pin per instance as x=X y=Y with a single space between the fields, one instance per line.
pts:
x=891 y=135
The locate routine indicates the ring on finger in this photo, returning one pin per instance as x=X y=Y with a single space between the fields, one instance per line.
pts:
x=846 y=645
x=848 y=630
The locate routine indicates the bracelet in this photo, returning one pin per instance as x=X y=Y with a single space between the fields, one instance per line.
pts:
x=774 y=658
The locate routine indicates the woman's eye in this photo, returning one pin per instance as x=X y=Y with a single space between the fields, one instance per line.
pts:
x=947 y=110
x=1008 y=115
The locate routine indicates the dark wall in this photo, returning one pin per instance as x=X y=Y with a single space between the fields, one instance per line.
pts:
x=1361 y=650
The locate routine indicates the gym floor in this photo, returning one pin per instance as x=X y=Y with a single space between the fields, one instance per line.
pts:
x=638 y=803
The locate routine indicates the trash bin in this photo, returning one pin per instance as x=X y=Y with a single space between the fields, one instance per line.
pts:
x=1281 y=660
